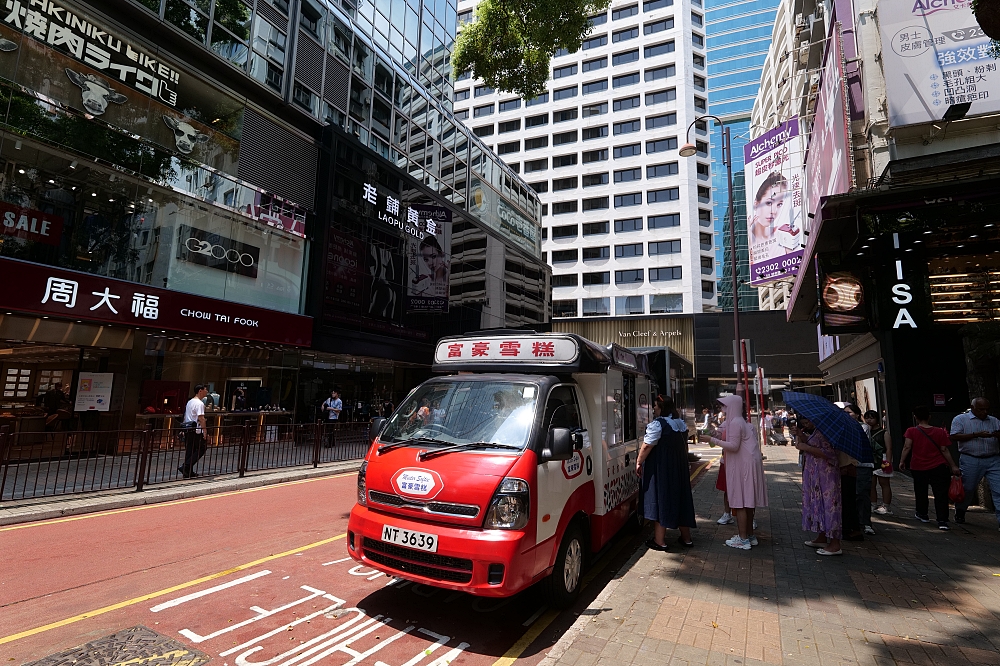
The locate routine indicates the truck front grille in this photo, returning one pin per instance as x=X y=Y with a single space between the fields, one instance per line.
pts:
x=418 y=562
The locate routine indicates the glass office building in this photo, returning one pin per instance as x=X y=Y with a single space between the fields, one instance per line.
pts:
x=739 y=35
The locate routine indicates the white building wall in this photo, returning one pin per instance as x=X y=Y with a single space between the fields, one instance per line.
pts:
x=696 y=244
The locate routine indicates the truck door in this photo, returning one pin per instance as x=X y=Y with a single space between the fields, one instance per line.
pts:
x=556 y=479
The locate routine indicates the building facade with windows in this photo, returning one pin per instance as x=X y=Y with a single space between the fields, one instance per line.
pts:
x=270 y=197
x=627 y=223
x=739 y=35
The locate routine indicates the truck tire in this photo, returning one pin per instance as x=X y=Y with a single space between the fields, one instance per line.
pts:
x=562 y=587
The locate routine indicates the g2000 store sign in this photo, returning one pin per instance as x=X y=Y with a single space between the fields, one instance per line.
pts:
x=215 y=251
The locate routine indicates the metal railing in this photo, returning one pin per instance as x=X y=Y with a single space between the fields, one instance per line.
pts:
x=49 y=464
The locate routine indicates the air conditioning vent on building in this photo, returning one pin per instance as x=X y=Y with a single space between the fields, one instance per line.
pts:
x=804 y=55
x=800 y=23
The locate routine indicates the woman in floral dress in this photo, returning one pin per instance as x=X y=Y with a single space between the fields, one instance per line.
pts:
x=822 y=511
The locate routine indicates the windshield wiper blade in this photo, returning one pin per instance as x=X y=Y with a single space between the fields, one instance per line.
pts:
x=468 y=445
x=412 y=440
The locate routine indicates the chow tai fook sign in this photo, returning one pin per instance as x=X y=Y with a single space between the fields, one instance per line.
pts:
x=66 y=294
x=506 y=350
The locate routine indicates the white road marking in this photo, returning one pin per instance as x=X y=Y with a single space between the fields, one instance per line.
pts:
x=343 y=559
x=263 y=612
x=531 y=620
x=204 y=593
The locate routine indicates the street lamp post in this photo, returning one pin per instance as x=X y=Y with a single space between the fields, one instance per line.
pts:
x=689 y=150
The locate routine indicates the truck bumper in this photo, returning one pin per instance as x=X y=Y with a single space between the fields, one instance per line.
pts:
x=468 y=560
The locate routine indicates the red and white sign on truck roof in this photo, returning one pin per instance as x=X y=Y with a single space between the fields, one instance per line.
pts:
x=539 y=349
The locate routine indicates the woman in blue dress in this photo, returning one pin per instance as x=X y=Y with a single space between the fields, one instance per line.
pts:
x=666 y=484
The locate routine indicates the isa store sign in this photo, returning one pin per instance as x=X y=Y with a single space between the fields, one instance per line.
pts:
x=774 y=203
x=935 y=55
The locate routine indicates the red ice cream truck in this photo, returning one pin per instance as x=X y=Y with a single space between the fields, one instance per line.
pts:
x=507 y=470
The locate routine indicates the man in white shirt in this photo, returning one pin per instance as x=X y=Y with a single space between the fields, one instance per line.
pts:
x=976 y=433
x=332 y=406
x=195 y=429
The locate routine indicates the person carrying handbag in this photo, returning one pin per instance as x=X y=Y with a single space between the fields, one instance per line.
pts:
x=926 y=453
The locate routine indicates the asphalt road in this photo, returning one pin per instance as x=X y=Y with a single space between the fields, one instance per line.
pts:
x=253 y=577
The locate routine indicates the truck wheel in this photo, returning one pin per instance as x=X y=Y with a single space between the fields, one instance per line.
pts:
x=563 y=586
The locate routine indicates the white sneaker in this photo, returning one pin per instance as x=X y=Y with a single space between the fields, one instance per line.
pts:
x=869 y=530
x=737 y=542
x=753 y=540
x=875 y=506
x=883 y=510
x=726 y=519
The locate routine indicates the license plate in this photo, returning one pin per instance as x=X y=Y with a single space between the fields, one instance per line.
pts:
x=410 y=539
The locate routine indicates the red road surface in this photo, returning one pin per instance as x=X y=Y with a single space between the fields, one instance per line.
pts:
x=57 y=571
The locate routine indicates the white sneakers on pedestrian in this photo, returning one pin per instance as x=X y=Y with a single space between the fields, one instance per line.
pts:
x=737 y=542
x=753 y=539
x=726 y=519
x=869 y=530
x=884 y=510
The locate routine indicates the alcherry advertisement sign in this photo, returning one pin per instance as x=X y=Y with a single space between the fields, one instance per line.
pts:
x=774 y=203
x=935 y=55
x=56 y=292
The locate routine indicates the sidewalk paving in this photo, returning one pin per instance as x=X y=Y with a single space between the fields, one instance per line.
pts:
x=912 y=594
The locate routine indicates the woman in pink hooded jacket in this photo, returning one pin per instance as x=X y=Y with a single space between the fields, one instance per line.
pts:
x=745 y=485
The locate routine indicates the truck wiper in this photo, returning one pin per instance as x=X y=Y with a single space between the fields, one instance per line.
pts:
x=467 y=445
x=414 y=440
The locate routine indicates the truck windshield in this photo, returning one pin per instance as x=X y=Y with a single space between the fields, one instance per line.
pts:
x=464 y=412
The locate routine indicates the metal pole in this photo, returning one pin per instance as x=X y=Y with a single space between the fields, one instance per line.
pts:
x=727 y=159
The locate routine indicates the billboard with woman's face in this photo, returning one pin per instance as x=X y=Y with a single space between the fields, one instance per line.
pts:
x=774 y=203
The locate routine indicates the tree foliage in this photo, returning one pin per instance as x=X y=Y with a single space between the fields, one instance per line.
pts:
x=510 y=43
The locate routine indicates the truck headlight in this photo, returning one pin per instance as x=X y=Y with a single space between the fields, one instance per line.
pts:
x=362 y=487
x=510 y=506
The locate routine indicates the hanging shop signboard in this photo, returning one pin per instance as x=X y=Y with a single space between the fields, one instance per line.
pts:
x=56 y=292
x=935 y=56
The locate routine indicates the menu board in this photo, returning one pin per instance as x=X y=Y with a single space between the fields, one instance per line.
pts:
x=93 y=392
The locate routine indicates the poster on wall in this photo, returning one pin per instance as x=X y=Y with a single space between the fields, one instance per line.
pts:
x=935 y=55
x=428 y=261
x=864 y=393
x=774 y=203
x=344 y=266
x=93 y=391
x=828 y=167
x=384 y=284
x=492 y=211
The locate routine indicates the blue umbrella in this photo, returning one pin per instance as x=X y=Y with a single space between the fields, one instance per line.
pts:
x=837 y=426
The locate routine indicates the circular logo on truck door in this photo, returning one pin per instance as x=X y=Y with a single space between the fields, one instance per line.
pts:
x=423 y=483
x=571 y=468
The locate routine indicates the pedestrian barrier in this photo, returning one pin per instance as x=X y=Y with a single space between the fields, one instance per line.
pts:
x=49 y=464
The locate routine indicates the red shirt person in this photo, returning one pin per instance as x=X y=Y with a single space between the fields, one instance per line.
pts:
x=926 y=453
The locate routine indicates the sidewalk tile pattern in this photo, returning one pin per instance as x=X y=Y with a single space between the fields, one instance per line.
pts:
x=912 y=594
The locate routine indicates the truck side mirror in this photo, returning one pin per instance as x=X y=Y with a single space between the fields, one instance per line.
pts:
x=376 y=427
x=577 y=436
x=559 y=445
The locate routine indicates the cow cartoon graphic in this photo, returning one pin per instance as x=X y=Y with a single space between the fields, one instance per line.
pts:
x=7 y=45
x=185 y=135
x=97 y=94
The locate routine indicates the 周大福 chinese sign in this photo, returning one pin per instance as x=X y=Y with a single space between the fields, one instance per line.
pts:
x=71 y=295
x=935 y=55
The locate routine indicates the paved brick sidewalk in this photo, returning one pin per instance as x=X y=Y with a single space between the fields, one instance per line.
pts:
x=909 y=595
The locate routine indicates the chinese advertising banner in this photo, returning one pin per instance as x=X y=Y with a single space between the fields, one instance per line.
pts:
x=935 y=55
x=46 y=290
x=774 y=203
x=429 y=261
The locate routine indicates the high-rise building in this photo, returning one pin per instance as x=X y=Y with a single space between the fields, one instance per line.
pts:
x=739 y=35
x=627 y=223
